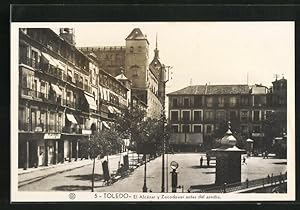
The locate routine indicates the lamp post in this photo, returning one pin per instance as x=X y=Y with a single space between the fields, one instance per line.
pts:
x=145 y=168
x=174 y=165
x=145 y=172
x=165 y=80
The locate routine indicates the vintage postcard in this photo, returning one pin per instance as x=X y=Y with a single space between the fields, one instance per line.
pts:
x=152 y=111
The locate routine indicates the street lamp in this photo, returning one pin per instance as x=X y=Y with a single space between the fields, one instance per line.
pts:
x=165 y=80
x=174 y=165
x=145 y=168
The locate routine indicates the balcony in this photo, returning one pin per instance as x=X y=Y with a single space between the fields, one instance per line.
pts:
x=257 y=134
x=40 y=96
x=39 y=127
x=70 y=130
x=30 y=62
x=55 y=72
x=34 y=94
x=69 y=103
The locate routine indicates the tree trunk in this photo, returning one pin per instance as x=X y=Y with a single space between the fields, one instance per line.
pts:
x=93 y=172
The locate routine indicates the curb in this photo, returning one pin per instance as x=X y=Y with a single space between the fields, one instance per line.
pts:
x=30 y=181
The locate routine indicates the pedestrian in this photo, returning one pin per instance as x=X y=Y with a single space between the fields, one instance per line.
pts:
x=208 y=159
x=264 y=155
x=201 y=161
x=244 y=161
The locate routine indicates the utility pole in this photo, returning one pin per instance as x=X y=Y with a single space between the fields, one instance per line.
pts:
x=165 y=80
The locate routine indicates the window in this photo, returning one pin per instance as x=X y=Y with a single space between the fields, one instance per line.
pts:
x=208 y=128
x=185 y=115
x=244 y=129
x=175 y=129
x=175 y=102
x=197 y=128
x=43 y=89
x=34 y=58
x=68 y=95
x=256 y=129
x=221 y=101
x=209 y=101
x=197 y=115
x=209 y=115
x=185 y=128
x=43 y=120
x=131 y=49
x=259 y=100
x=232 y=115
x=268 y=114
x=197 y=101
x=186 y=102
x=256 y=115
x=174 y=115
x=244 y=116
x=244 y=100
x=220 y=115
x=232 y=101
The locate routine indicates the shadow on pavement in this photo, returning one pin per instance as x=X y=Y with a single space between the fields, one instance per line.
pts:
x=280 y=163
x=71 y=188
x=198 y=167
x=209 y=172
x=97 y=177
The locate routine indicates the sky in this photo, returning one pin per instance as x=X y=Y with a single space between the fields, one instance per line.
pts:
x=206 y=52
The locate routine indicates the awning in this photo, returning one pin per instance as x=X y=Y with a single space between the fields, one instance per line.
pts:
x=70 y=73
x=56 y=89
x=111 y=109
x=91 y=102
x=71 y=118
x=61 y=65
x=104 y=108
x=105 y=124
x=49 y=59
x=117 y=110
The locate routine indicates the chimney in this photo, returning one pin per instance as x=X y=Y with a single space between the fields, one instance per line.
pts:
x=68 y=34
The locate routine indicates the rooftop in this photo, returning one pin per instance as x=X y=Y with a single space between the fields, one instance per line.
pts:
x=212 y=90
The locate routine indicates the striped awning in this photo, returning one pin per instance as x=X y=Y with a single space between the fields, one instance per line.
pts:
x=49 y=59
x=105 y=124
x=91 y=101
x=56 y=89
x=71 y=118
x=111 y=109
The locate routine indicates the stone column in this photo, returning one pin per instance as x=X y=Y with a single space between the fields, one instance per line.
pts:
x=70 y=150
x=36 y=157
x=77 y=148
x=26 y=155
x=56 y=152
x=46 y=152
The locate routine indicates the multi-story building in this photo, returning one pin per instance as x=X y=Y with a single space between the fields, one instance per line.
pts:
x=197 y=113
x=63 y=97
x=147 y=77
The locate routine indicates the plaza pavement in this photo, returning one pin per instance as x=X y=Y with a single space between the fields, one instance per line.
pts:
x=189 y=173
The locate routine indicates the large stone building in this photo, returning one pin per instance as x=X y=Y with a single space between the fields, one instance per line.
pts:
x=198 y=113
x=63 y=97
x=147 y=77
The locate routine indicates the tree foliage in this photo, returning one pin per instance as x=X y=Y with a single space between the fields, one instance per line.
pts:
x=128 y=124
x=102 y=143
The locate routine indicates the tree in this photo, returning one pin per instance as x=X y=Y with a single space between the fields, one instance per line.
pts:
x=129 y=123
x=101 y=143
x=273 y=127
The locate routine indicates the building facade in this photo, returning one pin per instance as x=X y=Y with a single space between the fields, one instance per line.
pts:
x=147 y=77
x=63 y=97
x=197 y=114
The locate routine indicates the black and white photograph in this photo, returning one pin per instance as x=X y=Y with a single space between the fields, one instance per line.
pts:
x=153 y=111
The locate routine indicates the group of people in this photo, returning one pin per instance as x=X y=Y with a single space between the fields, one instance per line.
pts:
x=207 y=159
